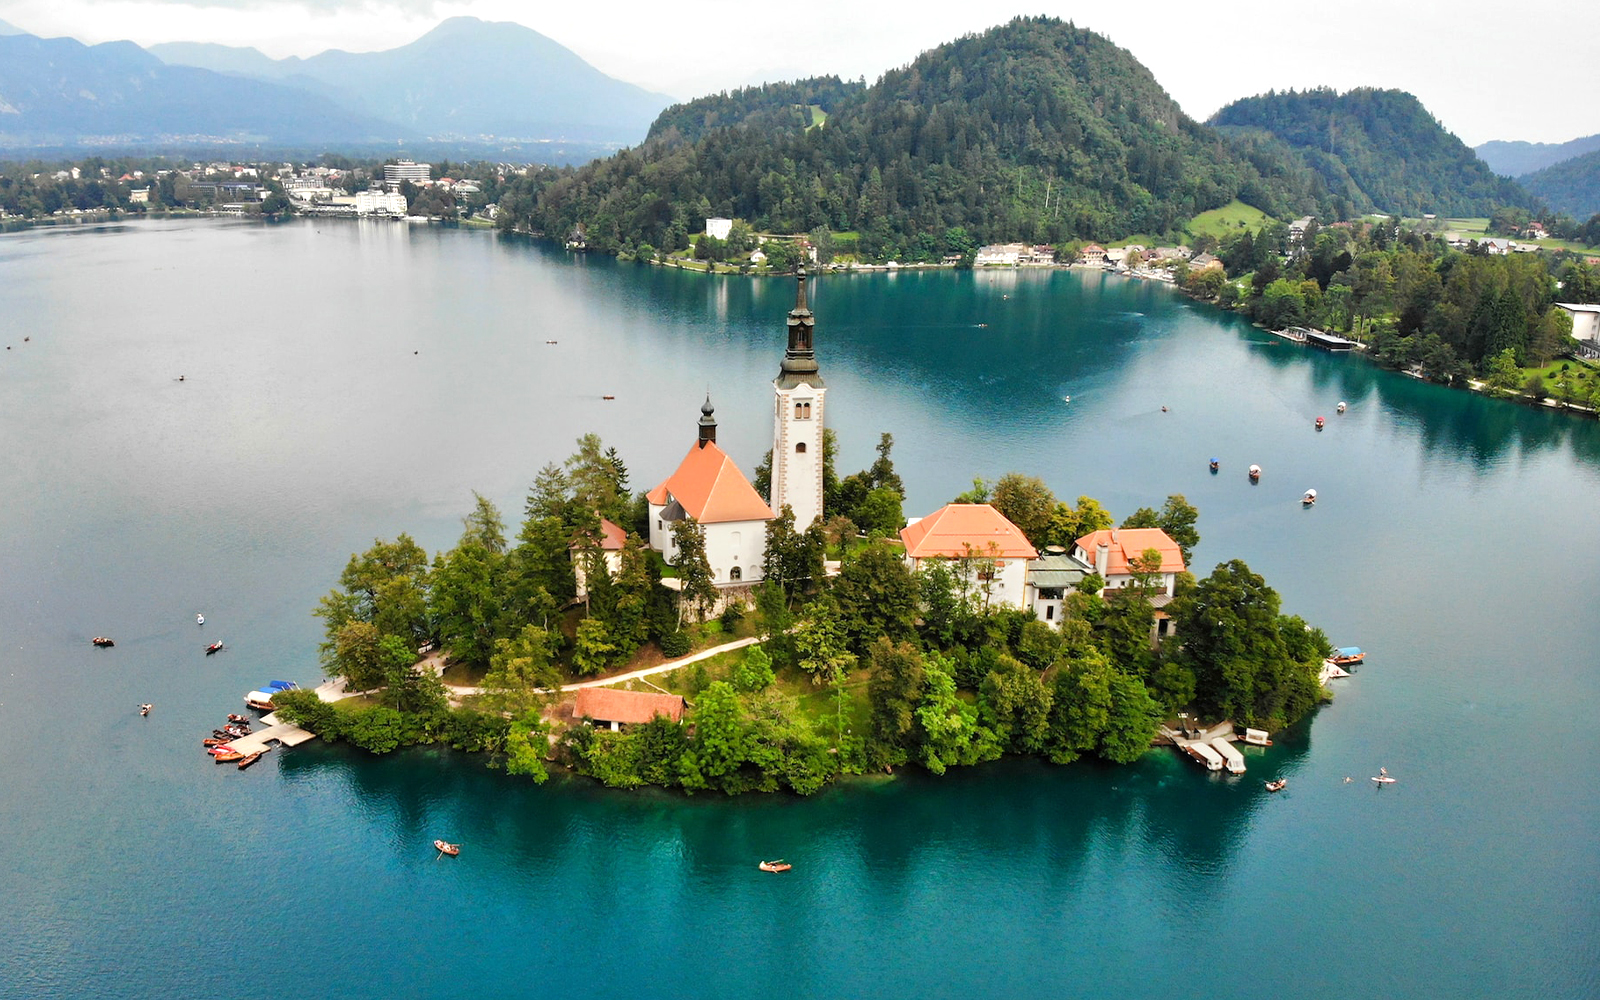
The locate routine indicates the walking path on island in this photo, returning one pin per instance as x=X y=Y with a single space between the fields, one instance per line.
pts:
x=457 y=693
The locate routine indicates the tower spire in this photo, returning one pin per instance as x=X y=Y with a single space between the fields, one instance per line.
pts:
x=708 y=423
x=800 y=360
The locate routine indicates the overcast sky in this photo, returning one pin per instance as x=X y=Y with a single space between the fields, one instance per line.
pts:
x=1487 y=69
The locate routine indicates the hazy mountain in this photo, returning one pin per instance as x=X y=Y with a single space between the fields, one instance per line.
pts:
x=1035 y=130
x=465 y=77
x=7 y=28
x=1375 y=149
x=1513 y=159
x=1571 y=186
x=234 y=59
x=61 y=93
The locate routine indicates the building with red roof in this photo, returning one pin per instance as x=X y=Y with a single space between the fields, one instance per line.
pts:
x=612 y=541
x=980 y=544
x=1112 y=551
x=709 y=488
x=615 y=708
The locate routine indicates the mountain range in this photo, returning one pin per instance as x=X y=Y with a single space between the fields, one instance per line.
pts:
x=491 y=83
x=1571 y=186
x=1376 y=150
x=1516 y=159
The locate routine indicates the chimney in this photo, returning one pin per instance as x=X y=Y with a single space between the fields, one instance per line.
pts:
x=1102 y=558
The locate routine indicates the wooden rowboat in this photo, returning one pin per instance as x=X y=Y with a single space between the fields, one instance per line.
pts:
x=774 y=866
x=447 y=848
x=249 y=759
x=229 y=757
x=1278 y=786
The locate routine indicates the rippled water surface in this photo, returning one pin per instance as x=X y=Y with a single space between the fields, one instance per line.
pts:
x=345 y=381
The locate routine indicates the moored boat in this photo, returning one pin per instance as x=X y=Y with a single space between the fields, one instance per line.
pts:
x=1346 y=655
x=1278 y=786
x=775 y=866
x=213 y=741
x=1257 y=738
x=260 y=701
x=445 y=847
x=102 y=641
x=228 y=757
x=250 y=758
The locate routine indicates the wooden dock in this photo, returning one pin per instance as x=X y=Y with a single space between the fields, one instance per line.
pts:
x=1204 y=747
x=276 y=732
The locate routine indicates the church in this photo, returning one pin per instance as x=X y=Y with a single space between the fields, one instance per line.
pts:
x=710 y=488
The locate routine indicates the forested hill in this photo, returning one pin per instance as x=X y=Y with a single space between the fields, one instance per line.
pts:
x=1571 y=186
x=1035 y=130
x=1376 y=150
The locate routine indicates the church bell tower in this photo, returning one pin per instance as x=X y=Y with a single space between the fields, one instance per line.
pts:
x=797 y=424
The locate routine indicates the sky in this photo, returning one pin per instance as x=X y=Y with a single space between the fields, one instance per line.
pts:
x=1486 y=69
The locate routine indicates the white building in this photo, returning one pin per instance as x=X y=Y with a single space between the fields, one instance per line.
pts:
x=1585 y=320
x=1001 y=254
x=406 y=170
x=709 y=487
x=612 y=541
x=798 y=420
x=380 y=203
x=719 y=228
x=985 y=550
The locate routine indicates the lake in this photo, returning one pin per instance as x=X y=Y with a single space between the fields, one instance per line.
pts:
x=343 y=381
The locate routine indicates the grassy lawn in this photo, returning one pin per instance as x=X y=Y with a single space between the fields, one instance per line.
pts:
x=818 y=116
x=1579 y=369
x=1231 y=218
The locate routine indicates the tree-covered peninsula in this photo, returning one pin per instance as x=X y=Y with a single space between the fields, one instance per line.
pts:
x=867 y=668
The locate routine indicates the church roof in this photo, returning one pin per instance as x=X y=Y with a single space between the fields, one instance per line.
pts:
x=953 y=528
x=711 y=488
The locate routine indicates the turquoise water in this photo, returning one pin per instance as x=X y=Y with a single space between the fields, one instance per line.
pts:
x=349 y=381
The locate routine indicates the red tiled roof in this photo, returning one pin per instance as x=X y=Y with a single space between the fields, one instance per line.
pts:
x=1127 y=544
x=614 y=705
x=612 y=537
x=951 y=529
x=711 y=489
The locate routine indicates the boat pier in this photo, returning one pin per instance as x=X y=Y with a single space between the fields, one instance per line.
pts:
x=281 y=733
x=1211 y=747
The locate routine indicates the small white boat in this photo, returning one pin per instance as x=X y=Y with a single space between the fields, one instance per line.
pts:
x=1383 y=778
x=1310 y=498
x=1340 y=408
x=199 y=619
x=1255 y=473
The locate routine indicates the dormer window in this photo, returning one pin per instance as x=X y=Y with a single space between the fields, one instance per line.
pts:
x=802 y=409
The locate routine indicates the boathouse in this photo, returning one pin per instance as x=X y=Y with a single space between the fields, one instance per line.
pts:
x=615 y=708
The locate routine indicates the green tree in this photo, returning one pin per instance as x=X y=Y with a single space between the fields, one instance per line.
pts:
x=753 y=672
x=877 y=597
x=519 y=668
x=951 y=734
x=1080 y=711
x=1026 y=502
x=822 y=647
x=527 y=745
x=895 y=685
x=591 y=647
x=696 y=589
x=1014 y=704
x=1131 y=722
x=720 y=745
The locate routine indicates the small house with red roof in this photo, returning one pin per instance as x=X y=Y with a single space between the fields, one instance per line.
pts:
x=979 y=543
x=1112 y=552
x=614 y=708
x=612 y=540
x=709 y=487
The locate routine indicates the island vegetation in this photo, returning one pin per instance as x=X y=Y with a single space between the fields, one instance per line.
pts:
x=864 y=670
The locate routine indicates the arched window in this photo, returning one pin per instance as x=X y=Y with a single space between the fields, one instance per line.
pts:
x=800 y=449
x=735 y=574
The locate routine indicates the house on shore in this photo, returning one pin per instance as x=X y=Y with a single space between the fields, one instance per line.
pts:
x=613 y=708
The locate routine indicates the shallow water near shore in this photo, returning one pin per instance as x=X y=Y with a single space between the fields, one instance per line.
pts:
x=343 y=381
